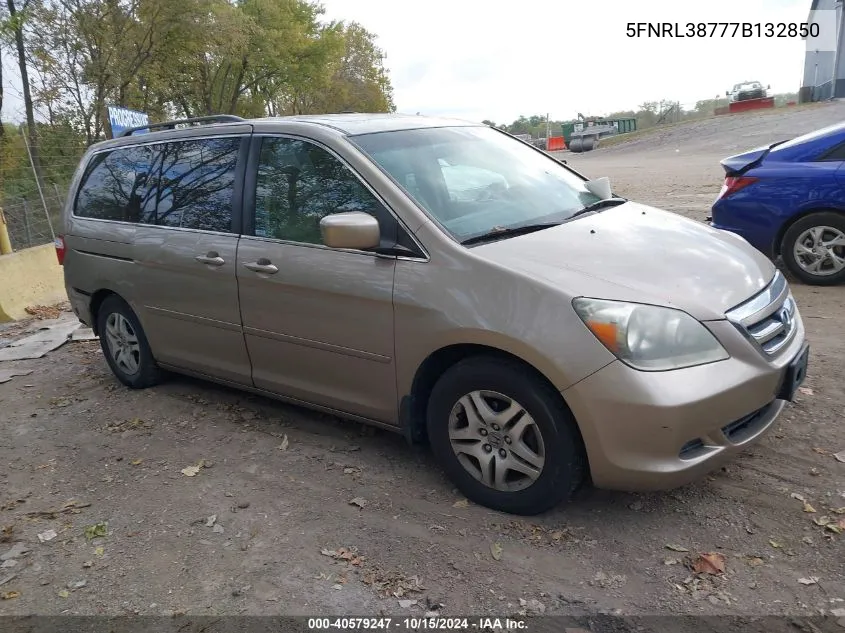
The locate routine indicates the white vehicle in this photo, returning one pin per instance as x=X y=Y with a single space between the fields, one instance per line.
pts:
x=747 y=90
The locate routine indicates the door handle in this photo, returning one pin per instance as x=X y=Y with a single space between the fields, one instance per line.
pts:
x=263 y=265
x=212 y=259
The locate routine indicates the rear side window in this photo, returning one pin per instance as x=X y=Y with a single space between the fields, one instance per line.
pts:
x=119 y=186
x=197 y=182
x=186 y=184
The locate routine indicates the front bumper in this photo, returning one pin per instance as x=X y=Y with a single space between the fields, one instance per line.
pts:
x=660 y=430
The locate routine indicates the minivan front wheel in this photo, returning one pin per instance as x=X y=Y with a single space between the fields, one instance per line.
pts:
x=125 y=346
x=504 y=437
x=814 y=249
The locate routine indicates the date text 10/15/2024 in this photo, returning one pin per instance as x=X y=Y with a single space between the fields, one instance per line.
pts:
x=790 y=30
x=480 y=624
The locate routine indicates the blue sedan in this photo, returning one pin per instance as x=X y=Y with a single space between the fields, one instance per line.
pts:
x=788 y=200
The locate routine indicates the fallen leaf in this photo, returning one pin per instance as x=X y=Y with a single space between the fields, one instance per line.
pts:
x=840 y=456
x=838 y=511
x=136 y=462
x=463 y=503
x=806 y=391
x=406 y=604
x=358 y=501
x=711 y=563
x=64 y=593
x=798 y=496
x=47 y=535
x=822 y=521
x=99 y=552
x=344 y=554
x=808 y=508
x=285 y=443
x=496 y=551
x=812 y=580
x=190 y=471
x=775 y=544
x=96 y=530
x=10 y=595
x=754 y=561
x=836 y=528
x=676 y=548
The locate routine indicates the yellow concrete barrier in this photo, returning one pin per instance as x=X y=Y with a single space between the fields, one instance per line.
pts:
x=31 y=276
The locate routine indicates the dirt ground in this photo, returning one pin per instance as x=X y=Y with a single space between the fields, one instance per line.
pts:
x=266 y=524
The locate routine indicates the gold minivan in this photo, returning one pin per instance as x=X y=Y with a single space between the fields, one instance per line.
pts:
x=441 y=279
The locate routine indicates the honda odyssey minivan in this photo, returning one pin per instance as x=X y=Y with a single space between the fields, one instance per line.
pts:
x=437 y=278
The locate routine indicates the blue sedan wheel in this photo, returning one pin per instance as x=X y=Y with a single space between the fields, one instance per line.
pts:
x=814 y=248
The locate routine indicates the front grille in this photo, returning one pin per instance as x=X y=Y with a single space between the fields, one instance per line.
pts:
x=768 y=319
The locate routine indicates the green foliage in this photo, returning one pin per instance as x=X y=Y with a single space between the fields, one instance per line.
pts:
x=648 y=114
x=177 y=58
x=196 y=57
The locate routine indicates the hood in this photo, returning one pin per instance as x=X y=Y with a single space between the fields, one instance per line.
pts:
x=637 y=253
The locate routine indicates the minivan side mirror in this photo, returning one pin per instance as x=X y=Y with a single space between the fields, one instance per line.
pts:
x=600 y=187
x=352 y=229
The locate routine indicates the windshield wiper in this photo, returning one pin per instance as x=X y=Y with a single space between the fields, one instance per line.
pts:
x=501 y=232
x=596 y=206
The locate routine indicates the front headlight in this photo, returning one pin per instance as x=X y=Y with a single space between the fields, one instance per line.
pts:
x=649 y=337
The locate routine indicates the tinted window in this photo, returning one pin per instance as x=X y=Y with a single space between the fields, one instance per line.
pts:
x=298 y=184
x=119 y=186
x=837 y=153
x=196 y=183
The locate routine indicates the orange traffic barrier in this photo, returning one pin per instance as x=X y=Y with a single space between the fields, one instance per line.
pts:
x=555 y=143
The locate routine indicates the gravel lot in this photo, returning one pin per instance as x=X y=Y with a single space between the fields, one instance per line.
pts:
x=266 y=526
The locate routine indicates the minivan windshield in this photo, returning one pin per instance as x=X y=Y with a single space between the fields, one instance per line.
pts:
x=476 y=180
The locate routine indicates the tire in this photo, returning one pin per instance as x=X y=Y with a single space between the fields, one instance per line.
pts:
x=563 y=464
x=136 y=368
x=828 y=225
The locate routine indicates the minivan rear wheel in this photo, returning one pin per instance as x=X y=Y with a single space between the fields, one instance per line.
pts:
x=504 y=437
x=814 y=249
x=125 y=346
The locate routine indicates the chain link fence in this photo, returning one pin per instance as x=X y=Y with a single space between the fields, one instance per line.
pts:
x=29 y=223
x=32 y=199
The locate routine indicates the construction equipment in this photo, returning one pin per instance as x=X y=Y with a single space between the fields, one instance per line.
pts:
x=584 y=134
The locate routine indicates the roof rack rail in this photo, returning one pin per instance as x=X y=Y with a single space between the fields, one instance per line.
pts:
x=171 y=125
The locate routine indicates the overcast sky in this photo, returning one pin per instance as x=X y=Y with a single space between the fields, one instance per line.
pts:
x=477 y=59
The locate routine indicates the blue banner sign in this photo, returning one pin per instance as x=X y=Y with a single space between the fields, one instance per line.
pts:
x=121 y=119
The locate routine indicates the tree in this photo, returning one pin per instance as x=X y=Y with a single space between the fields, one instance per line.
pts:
x=190 y=58
x=16 y=21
